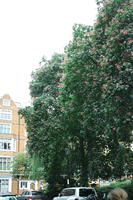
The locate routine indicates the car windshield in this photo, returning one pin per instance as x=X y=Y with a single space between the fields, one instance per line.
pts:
x=68 y=192
x=85 y=192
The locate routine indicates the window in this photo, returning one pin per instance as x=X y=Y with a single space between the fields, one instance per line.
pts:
x=5 y=114
x=6 y=102
x=7 y=144
x=68 y=192
x=37 y=193
x=23 y=184
x=4 y=185
x=5 y=128
x=5 y=163
x=86 y=192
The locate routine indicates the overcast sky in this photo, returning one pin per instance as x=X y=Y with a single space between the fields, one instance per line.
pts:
x=30 y=29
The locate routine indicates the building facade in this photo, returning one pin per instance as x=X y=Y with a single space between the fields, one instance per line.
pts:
x=12 y=141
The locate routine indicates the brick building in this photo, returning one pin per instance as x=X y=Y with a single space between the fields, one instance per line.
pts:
x=12 y=141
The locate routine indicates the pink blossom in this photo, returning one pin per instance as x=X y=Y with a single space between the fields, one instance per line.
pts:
x=118 y=66
x=121 y=10
x=124 y=32
x=125 y=63
x=130 y=41
x=129 y=113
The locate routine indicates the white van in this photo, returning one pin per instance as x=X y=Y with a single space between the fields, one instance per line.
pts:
x=76 y=193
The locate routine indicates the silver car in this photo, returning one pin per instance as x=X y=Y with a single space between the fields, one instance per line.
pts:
x=34 y=195
x=76 y=193
x=8 y=198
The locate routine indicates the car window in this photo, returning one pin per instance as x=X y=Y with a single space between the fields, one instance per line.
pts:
x=36 y=193
x=85 y=192
x=23 y=193
x=68 y=192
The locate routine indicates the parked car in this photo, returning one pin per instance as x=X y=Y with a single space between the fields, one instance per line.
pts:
x=76 y=193
x=34 y=195
x=7 y=196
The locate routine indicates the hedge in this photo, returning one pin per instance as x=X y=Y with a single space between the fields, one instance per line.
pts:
x=126 y=185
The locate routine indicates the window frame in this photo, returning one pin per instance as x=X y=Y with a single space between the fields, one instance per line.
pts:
x=1 y=184
x=5 y=114
x=6 y=102
x=5 y=142
x=7 y=128
x=22 y=183
x=8 y=166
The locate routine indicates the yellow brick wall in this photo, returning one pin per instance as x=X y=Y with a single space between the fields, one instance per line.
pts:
x=18 y=130
x=15 y=186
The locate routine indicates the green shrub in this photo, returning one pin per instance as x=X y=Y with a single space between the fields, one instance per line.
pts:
x=127 y=185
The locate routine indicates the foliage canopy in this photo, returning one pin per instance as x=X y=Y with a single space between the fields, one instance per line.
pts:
x=83 y=102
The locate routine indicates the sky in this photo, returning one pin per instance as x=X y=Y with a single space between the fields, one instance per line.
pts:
x=31 y=29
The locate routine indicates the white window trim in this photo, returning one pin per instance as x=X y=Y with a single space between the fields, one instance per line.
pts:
x=6 y=111
x=29 y=182
x=12 y=142
x=1 y=156
x=23 y=181
x=9 y=130
x=8 y=102
x=10 y=183
x=35 y=182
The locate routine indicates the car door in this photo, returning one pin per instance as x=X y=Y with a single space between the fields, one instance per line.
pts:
x=37 y=195
x=28 y=195
x=85 y=192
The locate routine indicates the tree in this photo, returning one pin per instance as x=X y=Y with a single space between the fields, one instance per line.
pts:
x=21 y=165
x=97 y=92
x=78 y=93
x=112 y=41
x=82 y=102
x=45 y=138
